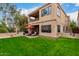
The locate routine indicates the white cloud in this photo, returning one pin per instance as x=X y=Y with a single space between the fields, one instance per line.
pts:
x=27 y=11
x=73 y=16
x=76 y=4
x=24 y=11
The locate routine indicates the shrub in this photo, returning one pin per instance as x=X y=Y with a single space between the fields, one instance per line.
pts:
x=3 y=30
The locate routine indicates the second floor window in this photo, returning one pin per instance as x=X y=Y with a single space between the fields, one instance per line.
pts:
x=58 y=11
x=46 y=11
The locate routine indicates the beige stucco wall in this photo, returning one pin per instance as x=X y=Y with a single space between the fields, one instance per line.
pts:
x=47 y=17
x=62 y=19
x=53 y=28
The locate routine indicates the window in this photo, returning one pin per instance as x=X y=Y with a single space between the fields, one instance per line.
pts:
x=58 y=28
x=58 y=12
x=46 y=11
x=46 y=28
x=50 y=9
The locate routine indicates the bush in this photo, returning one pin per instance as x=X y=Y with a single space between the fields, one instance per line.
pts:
x=10 y=29
x=76 y=30
x=3 y=30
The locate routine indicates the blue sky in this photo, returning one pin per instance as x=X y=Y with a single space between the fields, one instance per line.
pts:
x=70 y=7
x=28 y=5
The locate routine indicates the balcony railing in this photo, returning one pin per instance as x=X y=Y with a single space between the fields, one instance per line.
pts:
x=32 y=20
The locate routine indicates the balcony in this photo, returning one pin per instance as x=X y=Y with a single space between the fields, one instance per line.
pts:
x=34 y=16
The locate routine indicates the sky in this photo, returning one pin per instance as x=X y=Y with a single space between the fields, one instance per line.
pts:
x=28 y=5
x=71 y=9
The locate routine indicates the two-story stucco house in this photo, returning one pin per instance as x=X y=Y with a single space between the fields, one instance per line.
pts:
x=49 y=20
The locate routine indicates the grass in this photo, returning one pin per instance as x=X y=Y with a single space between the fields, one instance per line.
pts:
x=39 y=46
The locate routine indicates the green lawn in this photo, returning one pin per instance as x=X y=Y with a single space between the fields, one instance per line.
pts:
x=40 y=46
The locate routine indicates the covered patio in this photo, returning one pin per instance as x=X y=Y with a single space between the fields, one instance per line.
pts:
x=33 y=29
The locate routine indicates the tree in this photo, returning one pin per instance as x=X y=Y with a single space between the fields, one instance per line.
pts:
x=23 y=22
x=20 y=20
x=73 y=27
x=17 y=18
x=8 y=11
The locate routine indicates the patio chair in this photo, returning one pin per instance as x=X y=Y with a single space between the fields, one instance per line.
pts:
x=34 y=34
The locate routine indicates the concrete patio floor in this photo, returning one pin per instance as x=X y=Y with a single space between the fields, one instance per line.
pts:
x=8 y=35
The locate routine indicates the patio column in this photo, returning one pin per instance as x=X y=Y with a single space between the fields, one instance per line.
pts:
x=28 y=19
